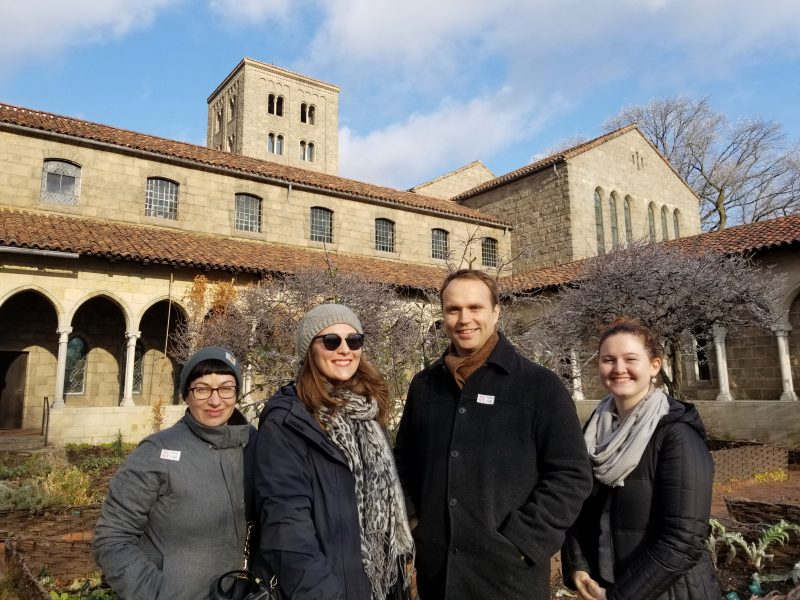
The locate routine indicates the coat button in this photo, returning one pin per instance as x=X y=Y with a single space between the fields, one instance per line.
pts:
x=453 y=551
x=461 y=410
x=453 y=501
x=454 y=453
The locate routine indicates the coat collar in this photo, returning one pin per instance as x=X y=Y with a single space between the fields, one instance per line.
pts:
x=234 y=433
x=502 y=356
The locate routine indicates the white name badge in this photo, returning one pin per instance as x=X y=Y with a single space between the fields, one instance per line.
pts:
x=170 y=454
x=484 y=399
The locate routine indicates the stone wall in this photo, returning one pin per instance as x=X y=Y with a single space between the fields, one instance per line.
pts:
x=456 y=182
x=100 y=425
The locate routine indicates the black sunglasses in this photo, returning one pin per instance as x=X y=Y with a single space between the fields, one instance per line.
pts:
x=332 y=341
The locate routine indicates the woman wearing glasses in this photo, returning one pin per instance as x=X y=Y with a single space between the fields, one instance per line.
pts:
x=174 y=519
x=333 y=521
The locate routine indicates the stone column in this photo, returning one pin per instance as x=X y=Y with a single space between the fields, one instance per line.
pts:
x=722 y=364
x=130 y=359
x=782 y=335
x=575 y=368
x=61 y=367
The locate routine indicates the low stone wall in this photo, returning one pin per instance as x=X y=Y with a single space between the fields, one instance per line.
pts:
x=97 y=425
x=767 y=421
x=743 y=462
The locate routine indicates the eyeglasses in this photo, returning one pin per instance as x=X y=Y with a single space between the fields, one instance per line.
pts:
x=226 y=392
x=332 y=341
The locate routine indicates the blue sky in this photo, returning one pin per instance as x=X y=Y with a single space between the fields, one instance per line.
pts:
x=426 y=85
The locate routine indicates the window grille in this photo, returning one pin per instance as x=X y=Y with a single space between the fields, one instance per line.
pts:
x=60 y=182
x=489 y=256
x=247 y=213
x=439 y=243
x=321 y=225
x=162 y=198
x=384 y=235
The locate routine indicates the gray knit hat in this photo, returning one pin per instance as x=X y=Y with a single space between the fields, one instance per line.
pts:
x=210 y=353
x=320 y=317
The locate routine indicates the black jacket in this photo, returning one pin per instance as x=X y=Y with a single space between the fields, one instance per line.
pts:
x=305 y=496
x=659 y=519
x=495 y=472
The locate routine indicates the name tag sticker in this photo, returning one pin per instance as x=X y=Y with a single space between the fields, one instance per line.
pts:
x=170 y=454
x=484 y=399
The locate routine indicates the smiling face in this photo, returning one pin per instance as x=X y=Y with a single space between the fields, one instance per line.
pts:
x=338 y=365
x=214 y=411
x=626 y=369
x=469 y=316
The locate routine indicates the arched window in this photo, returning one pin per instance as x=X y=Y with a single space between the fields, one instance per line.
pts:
x=676 y=223
x=218 y=121
x=489 y=252
x=598 y=222
x=161 y=198
x=271 y=143
x=231 y=143
x=384 y=235
x=138 y=365
x=321 y=224
x=271 y=104
x=232 y=104
x=61 y=182
x=302 y=150
x=303 y=112
x=247 y=213
x=75 y=372
x=311 y=114
x=612 y=217
x=279 y=106
x=651 y=221
x=628 y=225
x=310 y=151
x=279 y=145
x=664 y=222
x=439 y=243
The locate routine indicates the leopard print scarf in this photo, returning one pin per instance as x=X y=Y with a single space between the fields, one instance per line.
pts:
x=385 y=535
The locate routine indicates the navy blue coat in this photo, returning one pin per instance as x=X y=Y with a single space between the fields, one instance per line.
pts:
x=495 y=472
x=305 y=497
x=659 y=519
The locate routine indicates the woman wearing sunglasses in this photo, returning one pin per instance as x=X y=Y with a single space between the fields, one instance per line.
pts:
x=333 y=520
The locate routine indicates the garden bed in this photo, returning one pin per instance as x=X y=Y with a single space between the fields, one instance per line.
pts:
x=739 y=460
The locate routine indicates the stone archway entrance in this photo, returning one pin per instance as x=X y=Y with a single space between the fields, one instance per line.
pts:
x=13 y=370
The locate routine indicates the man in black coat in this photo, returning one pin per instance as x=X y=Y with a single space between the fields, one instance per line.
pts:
x=491 y=458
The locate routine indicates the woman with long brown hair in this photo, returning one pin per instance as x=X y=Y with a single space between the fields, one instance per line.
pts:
x=332 y=515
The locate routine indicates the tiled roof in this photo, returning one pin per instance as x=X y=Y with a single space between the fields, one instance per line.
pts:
x=543 y=163
x=210 y=158
x=147 y=244
x=753 y=237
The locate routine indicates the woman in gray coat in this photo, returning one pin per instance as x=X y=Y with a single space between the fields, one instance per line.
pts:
x=174 y=519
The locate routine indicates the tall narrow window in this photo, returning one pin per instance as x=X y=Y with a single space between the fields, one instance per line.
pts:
x=310 y=151
x=664 y=222
x=75 y=371
x=232 y=105
x=303 y=150
x=279 y=106
x=161 y=198
x=311 y=114
x=702 y=366
x=651 y=221
x=676 y=223
x=279 y=145
x=138 y=365
x=439 y=244
x=303 y=112
x=61 y=182
x=612 y=217
x=247 y=213
x=489 y=252
x=598 y=223
x=218 y=121
x=628 y=224
x=384 y=235
x=321 y=225
x=271 y=104
x=271 y=143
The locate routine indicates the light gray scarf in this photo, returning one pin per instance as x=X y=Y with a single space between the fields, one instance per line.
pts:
x=615 y=451
x=385 y=535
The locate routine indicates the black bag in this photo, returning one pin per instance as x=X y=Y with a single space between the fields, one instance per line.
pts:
x=243 y=585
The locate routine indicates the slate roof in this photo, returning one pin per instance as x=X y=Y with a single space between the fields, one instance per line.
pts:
x=12 y=117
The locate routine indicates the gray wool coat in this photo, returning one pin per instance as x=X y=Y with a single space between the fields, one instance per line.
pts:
x=174 y=519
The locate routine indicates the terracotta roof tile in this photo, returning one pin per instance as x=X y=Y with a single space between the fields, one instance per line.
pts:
x=208 y=157
x=146 y=244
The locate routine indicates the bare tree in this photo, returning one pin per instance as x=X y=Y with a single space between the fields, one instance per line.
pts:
x=671 y=291
x=743 y=171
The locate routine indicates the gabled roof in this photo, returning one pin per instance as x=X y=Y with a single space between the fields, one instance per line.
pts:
x=14 y=118
x=475 y=164
x=752 y=237
x=150 y=244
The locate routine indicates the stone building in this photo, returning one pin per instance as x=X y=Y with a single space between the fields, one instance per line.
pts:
x=103 y=230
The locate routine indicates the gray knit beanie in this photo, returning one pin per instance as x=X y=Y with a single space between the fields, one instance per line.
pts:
x=320 y=317
x=210 y=353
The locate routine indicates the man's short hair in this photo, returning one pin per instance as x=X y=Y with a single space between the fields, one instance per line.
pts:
x=487 y=279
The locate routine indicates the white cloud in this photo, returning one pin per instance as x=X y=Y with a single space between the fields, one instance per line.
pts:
x=426 y=145
x=249 y=11
x=35 y=29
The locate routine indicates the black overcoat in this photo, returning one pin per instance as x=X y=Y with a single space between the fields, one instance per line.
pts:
x=305 y=495
x=659 y=519
x=495 y=473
